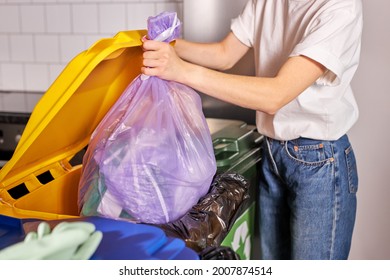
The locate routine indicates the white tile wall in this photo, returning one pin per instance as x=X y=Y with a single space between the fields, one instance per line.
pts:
x=137 y=15
x=9 y=18
x=12 y=76
x=70 y=46
x=4 y=48
x=39 y=37
x=85 y=18
x=22 y=48
x=55 y=70
x=31 y=101
x=112 y=17
x=32 y=18
x=47 y=48
x=15 y=102
x=58 y=18
x=36 y=76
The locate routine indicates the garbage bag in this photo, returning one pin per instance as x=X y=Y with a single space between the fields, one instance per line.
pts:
x=219 y=253
x=209 y=221
x=151 y=158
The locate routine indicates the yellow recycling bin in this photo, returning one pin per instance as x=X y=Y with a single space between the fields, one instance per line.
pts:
x=39 y=181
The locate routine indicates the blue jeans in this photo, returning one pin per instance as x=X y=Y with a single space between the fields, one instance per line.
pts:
x=307 y=199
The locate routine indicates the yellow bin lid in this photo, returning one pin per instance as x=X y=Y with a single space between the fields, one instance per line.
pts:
x=65 y=117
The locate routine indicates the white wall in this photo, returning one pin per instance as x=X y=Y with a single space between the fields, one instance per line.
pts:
x=39 y=37
x=371 y=136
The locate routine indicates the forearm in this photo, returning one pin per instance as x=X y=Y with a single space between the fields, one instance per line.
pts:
x=220 y=55
x=255 y=93
x=202 y=54
x=262 y=94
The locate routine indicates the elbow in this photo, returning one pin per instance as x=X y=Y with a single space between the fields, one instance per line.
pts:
x=280 y=96
x=273 y=106
x=271 y=110
x=225 y=65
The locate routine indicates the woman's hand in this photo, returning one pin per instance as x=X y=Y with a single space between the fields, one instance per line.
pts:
x=160 y=59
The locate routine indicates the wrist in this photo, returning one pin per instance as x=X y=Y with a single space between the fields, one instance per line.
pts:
x=177 y=45
x=192 y=75
x=185 y=73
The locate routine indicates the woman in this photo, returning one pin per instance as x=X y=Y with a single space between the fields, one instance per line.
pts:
x=306 y=54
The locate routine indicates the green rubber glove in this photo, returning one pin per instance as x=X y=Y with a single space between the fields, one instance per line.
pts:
x=67 y=241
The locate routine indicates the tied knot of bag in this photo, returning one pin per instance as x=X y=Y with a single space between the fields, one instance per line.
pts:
x=165 y=27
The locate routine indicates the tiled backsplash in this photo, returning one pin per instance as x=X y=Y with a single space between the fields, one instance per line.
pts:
x=39 y=37
x=18 y=102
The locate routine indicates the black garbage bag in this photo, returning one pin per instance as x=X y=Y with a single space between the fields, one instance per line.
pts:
x=208 y=222
x=219 y=253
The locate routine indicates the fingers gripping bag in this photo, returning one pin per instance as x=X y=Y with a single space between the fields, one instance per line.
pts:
x=151 y=158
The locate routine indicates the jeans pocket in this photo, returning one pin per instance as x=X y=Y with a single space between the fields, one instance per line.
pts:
x=351 y=169
x=315 y=154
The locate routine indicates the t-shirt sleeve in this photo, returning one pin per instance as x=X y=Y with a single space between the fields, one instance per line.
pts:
x=333 y=39
x=243 y=25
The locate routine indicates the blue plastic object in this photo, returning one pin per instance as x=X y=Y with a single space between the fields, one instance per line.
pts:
x=11 y=231
x=125 y=240
x=122 y=240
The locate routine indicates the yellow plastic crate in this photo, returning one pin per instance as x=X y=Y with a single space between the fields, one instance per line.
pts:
x=39 y=181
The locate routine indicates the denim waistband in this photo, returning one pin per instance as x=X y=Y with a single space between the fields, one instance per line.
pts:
x=302 y=141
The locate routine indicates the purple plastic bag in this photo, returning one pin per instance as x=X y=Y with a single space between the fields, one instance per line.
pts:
x=151 y=158
x=164 y=27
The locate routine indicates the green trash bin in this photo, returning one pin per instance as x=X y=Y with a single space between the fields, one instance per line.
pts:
x=237 y=148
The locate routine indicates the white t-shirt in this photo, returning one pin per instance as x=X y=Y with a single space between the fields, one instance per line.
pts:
x=327 y=31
